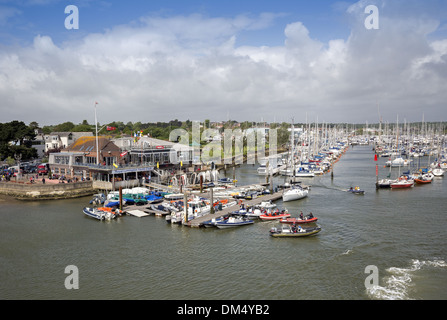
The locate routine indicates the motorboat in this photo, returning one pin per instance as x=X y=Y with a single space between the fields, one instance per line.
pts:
x=101 y=213
x=174 y=196
x=175 y=217
x=159 y=209
x=212 y=223
x=293 y=232
x=253 y=213
x=112 y=203
x=267 y=205
x=232 y=222
x=424 y=179
x=398 y=162
x=275 y=215
x=301 y=220
x=356 y=190
x=98 y=198
x=225 y=180
x=294 y=193
x=152 y=199
x=302 y=172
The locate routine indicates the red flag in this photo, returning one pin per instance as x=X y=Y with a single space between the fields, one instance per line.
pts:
x=111 y=128
x=375 y=157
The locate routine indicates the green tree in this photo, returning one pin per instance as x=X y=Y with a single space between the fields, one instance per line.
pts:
x=64 y=127
x=16 y=138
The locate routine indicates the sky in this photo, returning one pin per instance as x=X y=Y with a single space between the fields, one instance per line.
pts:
x=273 y=61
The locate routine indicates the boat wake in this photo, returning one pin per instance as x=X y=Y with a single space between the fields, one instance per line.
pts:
x=332 y=187
x=400 y=281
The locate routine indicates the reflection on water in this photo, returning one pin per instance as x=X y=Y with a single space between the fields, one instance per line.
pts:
x=145 y=258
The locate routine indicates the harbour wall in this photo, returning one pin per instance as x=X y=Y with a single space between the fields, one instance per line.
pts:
x=28 y=191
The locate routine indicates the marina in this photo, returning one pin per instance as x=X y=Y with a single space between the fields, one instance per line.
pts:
x=170 y=261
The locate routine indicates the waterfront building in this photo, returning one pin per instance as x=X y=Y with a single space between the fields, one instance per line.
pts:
x=148 y=151
x=79 y=159
x=122 y=162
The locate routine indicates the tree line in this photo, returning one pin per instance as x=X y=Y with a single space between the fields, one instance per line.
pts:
x=16 y=140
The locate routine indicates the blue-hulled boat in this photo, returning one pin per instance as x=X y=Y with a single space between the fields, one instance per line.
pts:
x=152 y=198
x=100 y=213
x=356 y=190
x=233 y=222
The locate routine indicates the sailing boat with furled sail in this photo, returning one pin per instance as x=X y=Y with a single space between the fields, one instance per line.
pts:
x=295 y=192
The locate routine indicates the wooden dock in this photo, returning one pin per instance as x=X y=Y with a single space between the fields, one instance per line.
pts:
x=197 y=222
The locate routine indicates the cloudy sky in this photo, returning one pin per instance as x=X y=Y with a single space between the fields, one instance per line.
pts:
x=204 y=59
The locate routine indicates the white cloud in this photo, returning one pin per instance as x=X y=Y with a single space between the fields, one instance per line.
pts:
x=189 y=67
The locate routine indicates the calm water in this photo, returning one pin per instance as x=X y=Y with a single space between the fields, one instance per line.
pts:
x=402 y=232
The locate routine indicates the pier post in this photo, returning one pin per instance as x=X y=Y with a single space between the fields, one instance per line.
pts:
x=185 y=206
x=121 y=198
x=377 y=172
x=212 y=201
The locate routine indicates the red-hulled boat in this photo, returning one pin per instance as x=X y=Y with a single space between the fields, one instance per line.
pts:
x=275 y=215
x=298 y=220
x=421 y=181
x=402 y=183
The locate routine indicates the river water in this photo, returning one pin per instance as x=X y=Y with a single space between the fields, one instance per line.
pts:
x=401 y=232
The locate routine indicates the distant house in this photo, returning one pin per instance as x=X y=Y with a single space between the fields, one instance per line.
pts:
x=39 y=143
x=61 y=140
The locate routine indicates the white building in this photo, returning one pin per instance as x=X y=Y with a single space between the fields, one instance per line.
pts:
x=61 y=140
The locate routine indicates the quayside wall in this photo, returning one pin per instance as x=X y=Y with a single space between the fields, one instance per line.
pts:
x=28 y=191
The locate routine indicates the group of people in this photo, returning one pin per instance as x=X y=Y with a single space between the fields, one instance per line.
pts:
x=32 y=180
x=274 y=213
x=309 y=216
x=296 y=228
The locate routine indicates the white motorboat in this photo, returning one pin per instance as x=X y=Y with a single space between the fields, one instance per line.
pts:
x=398 y=162
x=267 y=205
x=303 y=172
x=100 y=213
x=233 y=222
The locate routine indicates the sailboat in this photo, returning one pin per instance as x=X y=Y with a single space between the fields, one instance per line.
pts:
x=386 y=182
x=402 y=182
x=294 y=193
x=438 y=172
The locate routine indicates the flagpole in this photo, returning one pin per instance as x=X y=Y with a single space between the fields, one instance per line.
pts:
x=96 y=125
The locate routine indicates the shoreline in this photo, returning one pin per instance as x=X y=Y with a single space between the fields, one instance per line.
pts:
x=51 y=191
